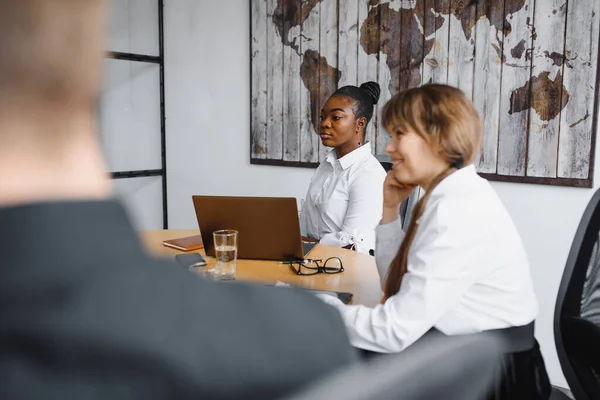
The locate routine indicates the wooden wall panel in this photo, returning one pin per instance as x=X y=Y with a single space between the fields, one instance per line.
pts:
x=274 y=87
x=388 y=77
x=291 y=92
x=530 y=67
x=368 y=55
x=435 y=67
x=328 y=58
x=514 y=91
x=547 y=87
x=258 y=102
x=581 y=63
x=412 y=48
x=486 y=79
x=348 y=42
x=309 y=44
x=461 y=46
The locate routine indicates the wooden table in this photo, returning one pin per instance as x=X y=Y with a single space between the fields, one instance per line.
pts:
x=360 y=275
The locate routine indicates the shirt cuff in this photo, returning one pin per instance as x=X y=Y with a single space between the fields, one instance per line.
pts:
x=335 y=240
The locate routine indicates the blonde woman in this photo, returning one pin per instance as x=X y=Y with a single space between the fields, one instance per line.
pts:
x=461 y=267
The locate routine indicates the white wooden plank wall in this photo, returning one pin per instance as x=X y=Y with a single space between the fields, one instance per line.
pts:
x=274 y=87
x=495 y=58
x=259 y=79
x=435 y=68
x=348 y=47
x=328 y=49
x=461 y=52
x=368 y=70
x=309 y=40
x=542 y=149
x=411 y=48
x=512 y=140
x=291 y=98
x=486 y=82
x=576 y=128
x=389 y=21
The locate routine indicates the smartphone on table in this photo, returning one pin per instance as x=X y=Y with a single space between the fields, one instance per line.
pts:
x=190 y=260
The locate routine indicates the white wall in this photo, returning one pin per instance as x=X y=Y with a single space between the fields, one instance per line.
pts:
x=207 y=87
x=208 y=145
x=129 y=111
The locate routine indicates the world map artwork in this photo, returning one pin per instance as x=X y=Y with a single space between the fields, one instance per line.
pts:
x=529 y=66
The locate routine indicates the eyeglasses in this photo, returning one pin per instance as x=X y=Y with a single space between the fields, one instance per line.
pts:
x=332 y=265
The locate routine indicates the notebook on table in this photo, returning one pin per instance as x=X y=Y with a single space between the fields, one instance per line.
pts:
x=187 y=243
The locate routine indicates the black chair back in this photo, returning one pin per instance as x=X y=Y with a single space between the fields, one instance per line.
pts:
x=577 y=311
x=385 y=160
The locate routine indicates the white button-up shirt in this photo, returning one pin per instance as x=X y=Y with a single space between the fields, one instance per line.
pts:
x=467 y=271
x=344 y=202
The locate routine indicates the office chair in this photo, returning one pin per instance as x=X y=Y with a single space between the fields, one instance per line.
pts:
x=437 y=367
x=385 y=160
x=408 y=204
x=577 y=311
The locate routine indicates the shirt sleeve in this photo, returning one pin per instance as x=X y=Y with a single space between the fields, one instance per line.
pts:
x=440 y=271
x=389 y=237
x=307 y=227
x=365 y=206
x=302 y=218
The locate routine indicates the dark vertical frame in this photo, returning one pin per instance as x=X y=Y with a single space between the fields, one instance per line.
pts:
x=160 y=60
x=163 y=134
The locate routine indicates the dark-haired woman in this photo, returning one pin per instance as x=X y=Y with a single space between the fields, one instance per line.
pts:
x=344 y=200
x=461 y=267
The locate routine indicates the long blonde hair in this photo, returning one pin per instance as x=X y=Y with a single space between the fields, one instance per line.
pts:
x=447 y=120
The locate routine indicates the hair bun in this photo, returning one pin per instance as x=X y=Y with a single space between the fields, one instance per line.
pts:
x=373 y=90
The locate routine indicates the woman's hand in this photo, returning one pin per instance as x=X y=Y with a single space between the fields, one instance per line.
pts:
x=394 y=192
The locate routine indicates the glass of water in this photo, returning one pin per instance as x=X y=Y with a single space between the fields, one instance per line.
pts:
x=226 y=253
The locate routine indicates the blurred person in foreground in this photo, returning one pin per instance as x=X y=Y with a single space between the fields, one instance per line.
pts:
x=84 y=312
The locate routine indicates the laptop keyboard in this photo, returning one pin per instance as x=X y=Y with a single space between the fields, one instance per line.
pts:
x=308 y=246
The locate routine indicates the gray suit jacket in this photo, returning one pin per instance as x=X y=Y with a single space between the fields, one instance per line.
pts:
x=85 y=314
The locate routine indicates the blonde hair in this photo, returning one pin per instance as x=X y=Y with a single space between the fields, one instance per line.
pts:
x=447 y=120
x=51 y=51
